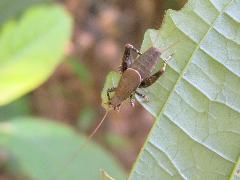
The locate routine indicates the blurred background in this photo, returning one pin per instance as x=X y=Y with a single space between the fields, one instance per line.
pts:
x=71 y=95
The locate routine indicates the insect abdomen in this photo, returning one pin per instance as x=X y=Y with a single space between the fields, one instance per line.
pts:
x=146 y=62
x=128 y=84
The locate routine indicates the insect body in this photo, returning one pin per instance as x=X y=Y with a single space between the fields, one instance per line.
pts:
x=135 y=74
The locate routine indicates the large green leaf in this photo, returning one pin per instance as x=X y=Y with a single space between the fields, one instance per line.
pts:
x=20 y=107
x=42 y=149
x=30 y=49
x=197 y=101
x=13 y=8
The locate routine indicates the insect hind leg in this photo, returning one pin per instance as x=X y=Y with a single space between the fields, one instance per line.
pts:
x=152 y=79
x=142 y=96
x=131 y=47
x=127 y=59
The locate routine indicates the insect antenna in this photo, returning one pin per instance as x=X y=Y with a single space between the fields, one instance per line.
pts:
x=81 y=147
x=97 y=127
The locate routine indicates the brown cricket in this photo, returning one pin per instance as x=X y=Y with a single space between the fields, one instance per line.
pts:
x=135 y=74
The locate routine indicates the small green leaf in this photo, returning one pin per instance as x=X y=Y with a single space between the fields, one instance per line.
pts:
x=30 y=50
x=42 y=149
x=111 y=81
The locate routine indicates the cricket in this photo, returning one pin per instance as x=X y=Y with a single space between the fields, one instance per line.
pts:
x=135 y=74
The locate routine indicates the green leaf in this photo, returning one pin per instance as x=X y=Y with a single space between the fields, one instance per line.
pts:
x=42 y=149
x=197 y=101
x=30 y=50
x=236 y=172
x=81 y=70
x=111 y=81
x=13 y=8
x=116 y=141
x=86 y=118
x=20 y=107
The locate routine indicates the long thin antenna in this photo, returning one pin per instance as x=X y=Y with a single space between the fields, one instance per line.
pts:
x=98 y=126
x=85 y=142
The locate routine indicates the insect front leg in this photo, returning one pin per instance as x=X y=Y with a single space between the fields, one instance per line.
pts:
x=108 y=92
x=131 y=47
x=127 y=59
x=132 y=100
x=152 y=79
